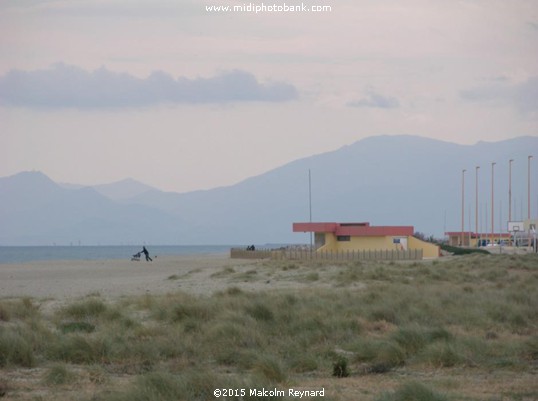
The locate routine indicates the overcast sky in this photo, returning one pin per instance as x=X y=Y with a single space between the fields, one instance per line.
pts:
x=181 y=98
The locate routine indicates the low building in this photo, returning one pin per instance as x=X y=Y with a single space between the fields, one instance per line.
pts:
x=338 y=237
x=473 y=240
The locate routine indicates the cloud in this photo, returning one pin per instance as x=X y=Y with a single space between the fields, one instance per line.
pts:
x=375 y=100
x=64 y=86
x=523 y=96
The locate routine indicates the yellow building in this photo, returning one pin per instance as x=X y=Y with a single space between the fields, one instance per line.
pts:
x=338 y=237
x=473 y=240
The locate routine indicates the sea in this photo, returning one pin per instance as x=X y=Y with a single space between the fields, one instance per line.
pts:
x=22 y=254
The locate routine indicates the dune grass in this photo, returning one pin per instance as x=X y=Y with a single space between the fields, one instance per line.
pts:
x=474 y=312
x=413 y=391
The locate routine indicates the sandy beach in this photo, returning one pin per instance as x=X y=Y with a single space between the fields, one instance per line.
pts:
x=116 y=278
x=194 y=274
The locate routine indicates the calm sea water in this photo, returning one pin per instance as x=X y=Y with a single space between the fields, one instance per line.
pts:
x=21 y=254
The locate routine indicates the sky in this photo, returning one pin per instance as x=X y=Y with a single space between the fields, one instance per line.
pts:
x=183 y=96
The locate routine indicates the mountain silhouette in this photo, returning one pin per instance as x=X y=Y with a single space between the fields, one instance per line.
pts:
x=384 y=180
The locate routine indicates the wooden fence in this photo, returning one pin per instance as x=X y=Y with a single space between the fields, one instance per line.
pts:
x=242 y=253
x=305 y=254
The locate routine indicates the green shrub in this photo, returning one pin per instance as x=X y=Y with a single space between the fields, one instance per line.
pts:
x=389 y=356
x=5 y=314
x=270 y=368
x=412 y=391
x=180 y=307
x=15 y=347
x=462 y=251
x=290 y=266
x=260 y=312
x=410 y=339
x=340 y=368
x=58 y=375
x=70 y=327
x=226 y=271
x=440 y=354
x=233 y=291
x=314 y=276
x=75 y=348
x=155 y=386
x=531 y=348
x=17 y=309
x=97 y=374
x=192 y=310
x=386 y=312
x=304 y=363
x=85 y=309
x=381 y=355
x=439 y=334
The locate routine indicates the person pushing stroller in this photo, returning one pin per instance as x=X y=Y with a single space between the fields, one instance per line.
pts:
x=146 y=254
x=136 y=256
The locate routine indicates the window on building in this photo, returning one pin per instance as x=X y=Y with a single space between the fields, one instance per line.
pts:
x=343 y=238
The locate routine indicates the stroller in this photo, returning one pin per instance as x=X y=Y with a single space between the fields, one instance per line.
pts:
x=136 y=257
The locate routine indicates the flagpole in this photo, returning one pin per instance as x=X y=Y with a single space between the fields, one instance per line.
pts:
x=310 y=203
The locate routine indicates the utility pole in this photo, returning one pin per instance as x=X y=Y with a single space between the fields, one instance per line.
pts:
x=510 y=189
x=492 y=204
x=510 y=195
x=500 y=226
x=462 y=205
x=476 y=206
x=310 y=204
x=529 y=188
x=469 y=224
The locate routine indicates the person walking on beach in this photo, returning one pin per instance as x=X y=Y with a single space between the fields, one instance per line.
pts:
x=146 y=254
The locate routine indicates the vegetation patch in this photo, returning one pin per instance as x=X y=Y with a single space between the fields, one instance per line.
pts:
x=16 y=347
x=456 y=250
x=340 y=367
x=72 y=327
x=413 y=391
x=408 y=321
x=85 y=309
x=59 y=374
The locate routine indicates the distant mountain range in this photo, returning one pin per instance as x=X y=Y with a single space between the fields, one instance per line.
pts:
x=385 y=180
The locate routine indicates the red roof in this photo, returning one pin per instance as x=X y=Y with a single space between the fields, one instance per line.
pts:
x=354 y=229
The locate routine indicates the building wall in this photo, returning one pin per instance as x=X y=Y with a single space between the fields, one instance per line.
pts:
x=332 y=244
x=378 y=243
x=429 y=250
x=455 y=240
